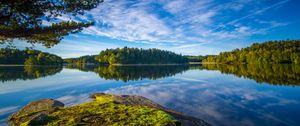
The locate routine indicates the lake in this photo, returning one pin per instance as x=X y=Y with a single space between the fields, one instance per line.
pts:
x=222 y=95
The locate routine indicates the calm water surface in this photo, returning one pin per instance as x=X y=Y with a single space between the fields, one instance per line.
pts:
x=248 y=95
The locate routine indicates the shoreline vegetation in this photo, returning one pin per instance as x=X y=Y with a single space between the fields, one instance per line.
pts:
x=11 y=56
x=278 y=52
x=130 y=56
x=169 y=64
x=105 y=109
x=271 y=52
x=91 y=64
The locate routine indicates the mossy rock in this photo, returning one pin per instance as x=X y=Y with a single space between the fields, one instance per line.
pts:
x=34 y=110
x=105 y=110
x=133 y=100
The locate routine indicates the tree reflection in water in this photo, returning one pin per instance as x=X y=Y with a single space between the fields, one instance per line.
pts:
x=133 y=73
x=13 y=73
x=276 y=74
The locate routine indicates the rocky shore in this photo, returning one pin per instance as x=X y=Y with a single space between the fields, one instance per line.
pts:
x=105 y=109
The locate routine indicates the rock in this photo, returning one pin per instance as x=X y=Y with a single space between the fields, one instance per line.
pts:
x=37 y=112
x=134 y=100
x=38 y=118
x=131 y=100
x=34 y=111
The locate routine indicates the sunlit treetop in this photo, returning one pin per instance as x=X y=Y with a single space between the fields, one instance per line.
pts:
x=23 y=19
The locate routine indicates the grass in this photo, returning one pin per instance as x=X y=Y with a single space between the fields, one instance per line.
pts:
x=104 y=111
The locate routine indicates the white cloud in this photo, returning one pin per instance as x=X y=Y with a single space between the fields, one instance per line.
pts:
x=116 y=20
x=70 y=100
x=218 y=104
x=9 y=109
x=176 y=24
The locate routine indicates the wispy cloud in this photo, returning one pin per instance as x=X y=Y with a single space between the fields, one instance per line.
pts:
x=177 y=25
x=178 y=21
x=8 y=110
x=259 y=11
x=216 y=101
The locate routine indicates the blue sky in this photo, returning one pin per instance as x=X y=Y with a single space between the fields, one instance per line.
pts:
x=188 y=27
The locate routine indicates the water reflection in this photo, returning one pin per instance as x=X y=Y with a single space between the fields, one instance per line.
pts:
x=13 y=73
x=222 y=100
x=277 y=74
x=200 y=91
x=133 y=73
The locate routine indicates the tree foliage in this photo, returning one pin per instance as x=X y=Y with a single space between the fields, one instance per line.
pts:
x=285 y=51
x=83 y=60
x=139 y=56
x=23 y=19
x=195 y=58
x=28 y=57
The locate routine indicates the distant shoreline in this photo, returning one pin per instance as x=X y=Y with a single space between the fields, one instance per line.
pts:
x=1 y=65
x=146 y=64
x=12 y=65
x=209 y=63
x=169 y=64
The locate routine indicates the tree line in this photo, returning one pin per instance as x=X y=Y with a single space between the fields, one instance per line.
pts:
x=139 y=56
x=195 y=58
x=28 y=57
x=283 y=51
x=83 y=60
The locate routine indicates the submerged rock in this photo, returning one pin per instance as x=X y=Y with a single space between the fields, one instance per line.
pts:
x=105 y=110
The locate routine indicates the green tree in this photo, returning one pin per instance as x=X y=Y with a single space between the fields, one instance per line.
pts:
x=30 y=61
x=22 y=19
x=284 y=51
x=139 y=56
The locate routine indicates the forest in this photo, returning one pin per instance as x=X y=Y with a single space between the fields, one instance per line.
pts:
x=28 y=57
x=139 y=56
x=195 y=58
x=83 y=60
x=284 y=51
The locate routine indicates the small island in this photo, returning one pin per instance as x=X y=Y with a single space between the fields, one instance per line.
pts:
x=131 y=56
x=105 y=109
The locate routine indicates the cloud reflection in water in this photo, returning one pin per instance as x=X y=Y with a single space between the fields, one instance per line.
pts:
x=218 y=104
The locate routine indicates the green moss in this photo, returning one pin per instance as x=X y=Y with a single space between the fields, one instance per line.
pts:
x=25 y=123
x=105 y=111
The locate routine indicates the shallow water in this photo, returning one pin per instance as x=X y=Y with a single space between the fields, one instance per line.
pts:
x=257 y=95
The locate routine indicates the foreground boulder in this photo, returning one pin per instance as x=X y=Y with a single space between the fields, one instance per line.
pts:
x=105 y=110
x=35 y=111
